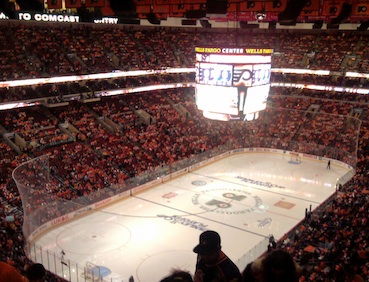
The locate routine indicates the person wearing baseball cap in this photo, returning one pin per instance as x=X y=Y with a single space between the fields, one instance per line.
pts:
x=212 y=263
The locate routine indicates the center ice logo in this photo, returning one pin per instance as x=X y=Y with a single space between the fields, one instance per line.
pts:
x=228 y=201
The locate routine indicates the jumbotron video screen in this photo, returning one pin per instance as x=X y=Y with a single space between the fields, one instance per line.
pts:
x=232 y=83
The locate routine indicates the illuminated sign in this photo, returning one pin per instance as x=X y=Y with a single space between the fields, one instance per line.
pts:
x=3 y=16
x=241 y=51
x=106 y=20
x=61 y=18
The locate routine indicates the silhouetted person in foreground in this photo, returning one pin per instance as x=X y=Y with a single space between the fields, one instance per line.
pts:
x=36 y=272
x=212 y=264
x=178 y=276
x=9 y=273
x=276 y=266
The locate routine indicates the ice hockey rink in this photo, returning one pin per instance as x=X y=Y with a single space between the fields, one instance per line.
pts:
x=245 y=197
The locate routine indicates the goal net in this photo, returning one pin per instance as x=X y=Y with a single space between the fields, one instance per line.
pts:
x=295 y=158
x=92 y=272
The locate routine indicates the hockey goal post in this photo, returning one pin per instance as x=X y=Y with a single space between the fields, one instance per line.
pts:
x=295 y=157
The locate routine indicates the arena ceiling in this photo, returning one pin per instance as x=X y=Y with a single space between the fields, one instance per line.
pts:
x=284 y=12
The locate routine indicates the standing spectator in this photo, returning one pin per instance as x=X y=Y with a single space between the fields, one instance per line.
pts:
x=212 y=264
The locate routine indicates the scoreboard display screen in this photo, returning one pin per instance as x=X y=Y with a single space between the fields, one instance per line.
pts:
x=218 y=99
x=214 y=74
x=251 y=75
x=232 y=83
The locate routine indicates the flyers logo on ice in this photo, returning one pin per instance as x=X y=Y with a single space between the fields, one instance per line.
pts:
x=227 y=201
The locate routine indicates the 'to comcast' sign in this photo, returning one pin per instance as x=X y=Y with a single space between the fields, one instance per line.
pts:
x=61 y=18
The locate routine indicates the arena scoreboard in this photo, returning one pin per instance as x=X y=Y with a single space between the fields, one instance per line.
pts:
x=232 y=83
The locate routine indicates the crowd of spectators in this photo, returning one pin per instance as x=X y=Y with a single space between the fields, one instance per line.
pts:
x=41 y=51
x=103 y=154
